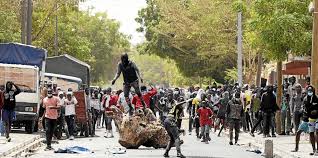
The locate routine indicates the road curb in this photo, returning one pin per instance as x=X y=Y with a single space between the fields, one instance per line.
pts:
x=259 y=144
x=27 y=148
x=20 y=146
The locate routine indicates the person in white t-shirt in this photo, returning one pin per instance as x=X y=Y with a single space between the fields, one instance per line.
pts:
x=122 y=101
x=70 y=103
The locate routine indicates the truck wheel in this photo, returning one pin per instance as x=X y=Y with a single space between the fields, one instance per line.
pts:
x=29 y=126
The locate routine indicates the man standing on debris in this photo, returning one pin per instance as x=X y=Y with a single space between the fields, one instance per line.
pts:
x=131 y=77
x=9 y=106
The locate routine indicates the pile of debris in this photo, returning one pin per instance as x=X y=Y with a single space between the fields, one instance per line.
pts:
x=141 y=129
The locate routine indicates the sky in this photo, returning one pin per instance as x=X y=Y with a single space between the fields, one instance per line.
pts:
x=124 y=11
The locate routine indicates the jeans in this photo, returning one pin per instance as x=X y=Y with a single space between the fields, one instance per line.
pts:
x=108 y=123
x=50 y=125
x=297 y=119
x=197 y=125
x=127 y=87
x=190 y=123
x=7 y=118
x=70 y=121
x=258 y=122
x=234 y=125
x=173 y=132
x=268 y=122
x=286 y=121
x=205 y=129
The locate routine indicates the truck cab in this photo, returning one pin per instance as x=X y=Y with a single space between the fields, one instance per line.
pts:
x=27 y=102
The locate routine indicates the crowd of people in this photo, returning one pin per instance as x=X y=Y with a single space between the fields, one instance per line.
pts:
x=247 y=108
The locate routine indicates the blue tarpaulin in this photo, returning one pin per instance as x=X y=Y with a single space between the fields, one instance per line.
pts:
x=14 y=53
x=74 y=150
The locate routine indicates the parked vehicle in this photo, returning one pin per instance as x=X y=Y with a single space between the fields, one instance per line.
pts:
x=25 y=66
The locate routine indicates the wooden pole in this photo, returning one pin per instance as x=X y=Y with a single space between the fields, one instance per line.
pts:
x=279 y=95
x=314 y=54
x=259 y=69
x=23 y=20
x=29 y=23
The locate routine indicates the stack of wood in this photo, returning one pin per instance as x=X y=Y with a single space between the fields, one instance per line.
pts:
x=141 y=129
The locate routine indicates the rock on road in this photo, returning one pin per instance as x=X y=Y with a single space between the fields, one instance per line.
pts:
x=192 y=148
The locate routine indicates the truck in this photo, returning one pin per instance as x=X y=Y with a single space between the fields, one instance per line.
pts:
x=25 y=66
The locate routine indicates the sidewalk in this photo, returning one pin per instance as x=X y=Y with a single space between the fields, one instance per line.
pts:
x=283 y=145
x=19 y=141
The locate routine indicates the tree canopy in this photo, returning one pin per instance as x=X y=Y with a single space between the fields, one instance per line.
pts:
x=199 y=35
x=93 y=38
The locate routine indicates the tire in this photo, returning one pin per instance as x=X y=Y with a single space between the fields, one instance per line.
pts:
x=29 y=126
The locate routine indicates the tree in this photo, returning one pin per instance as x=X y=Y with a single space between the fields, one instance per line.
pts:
x=198 y=35
x=94 y=39
x=283 y=26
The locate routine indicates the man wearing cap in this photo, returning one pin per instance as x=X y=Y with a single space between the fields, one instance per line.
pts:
x=131 y=77
x=70 y=102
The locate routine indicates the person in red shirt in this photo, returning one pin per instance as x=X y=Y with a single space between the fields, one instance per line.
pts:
x=146 y=97
x=205 y=114
x=108 y=101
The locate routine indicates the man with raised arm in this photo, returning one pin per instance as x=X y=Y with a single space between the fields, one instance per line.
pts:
x=131 y=77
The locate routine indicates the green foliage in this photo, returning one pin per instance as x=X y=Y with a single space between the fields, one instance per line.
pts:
x=156 y=70
x=9 y=25
x=199 y=35
x=231 y=75
x=94 y=39
x=283 y=26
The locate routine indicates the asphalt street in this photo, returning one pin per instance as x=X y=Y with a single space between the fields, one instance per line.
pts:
x=192 y=148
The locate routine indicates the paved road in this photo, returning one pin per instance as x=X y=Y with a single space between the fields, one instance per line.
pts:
x=218 y=148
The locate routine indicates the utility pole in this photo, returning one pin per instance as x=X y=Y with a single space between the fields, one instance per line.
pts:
x=23 y=20
x=259 y=69
x=56 y=32
x=279 y=95
x=29 y=23
x=239 y=49
x=314 y=54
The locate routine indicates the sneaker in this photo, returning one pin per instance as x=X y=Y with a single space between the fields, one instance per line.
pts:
x=296 y=150
x=71 y=137
x=282 y=134
x=190 y=133
x=48 y=148
x=166 y=155
x=273 y=135
x=180 y=155
x=9 y=139
x=231 y=143
x=252 y=134
x=112 y=136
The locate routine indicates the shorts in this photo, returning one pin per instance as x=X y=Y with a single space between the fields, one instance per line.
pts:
x=313 y=125
x=8 y=115
x=304 y=126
